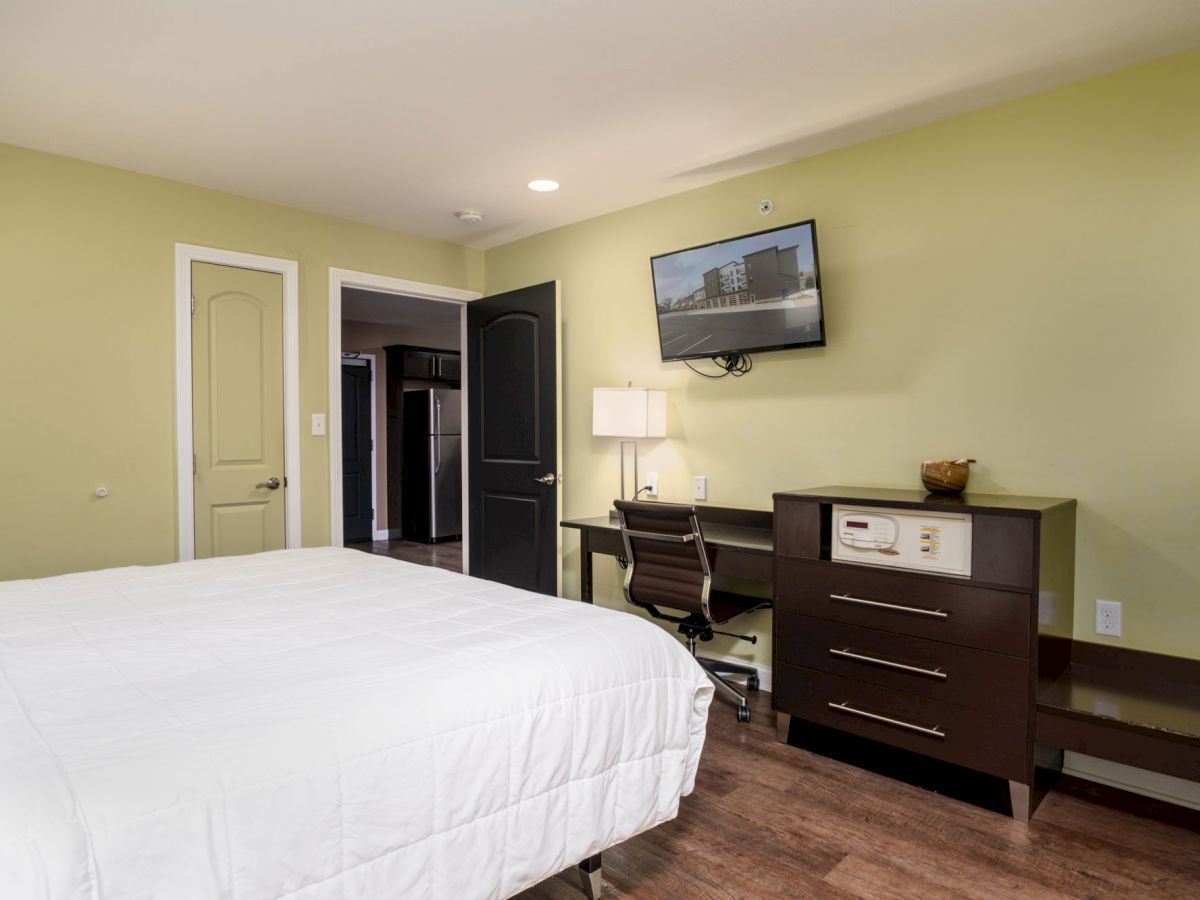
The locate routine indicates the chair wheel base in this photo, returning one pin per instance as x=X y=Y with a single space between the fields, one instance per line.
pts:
x=752 y=683
x=743 y=714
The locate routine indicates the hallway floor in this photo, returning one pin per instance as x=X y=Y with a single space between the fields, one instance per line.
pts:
x=447 y=555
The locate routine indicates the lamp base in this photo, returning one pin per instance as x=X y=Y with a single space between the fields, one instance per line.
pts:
x=632 y=444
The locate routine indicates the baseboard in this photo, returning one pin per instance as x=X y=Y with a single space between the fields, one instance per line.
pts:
x=764 y=672
x=1137 y=781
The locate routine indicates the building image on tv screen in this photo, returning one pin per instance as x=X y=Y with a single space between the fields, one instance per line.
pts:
x=756 y=292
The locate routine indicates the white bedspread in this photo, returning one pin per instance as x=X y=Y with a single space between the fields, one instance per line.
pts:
x=325 y=723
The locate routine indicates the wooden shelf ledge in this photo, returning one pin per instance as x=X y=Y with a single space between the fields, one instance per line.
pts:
x=1141 y=709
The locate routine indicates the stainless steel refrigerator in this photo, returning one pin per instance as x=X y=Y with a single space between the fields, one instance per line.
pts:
x=431 y=470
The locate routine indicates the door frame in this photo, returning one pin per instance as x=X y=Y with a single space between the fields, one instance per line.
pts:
x=373 y=368
x=185 y=255
x=385 y=284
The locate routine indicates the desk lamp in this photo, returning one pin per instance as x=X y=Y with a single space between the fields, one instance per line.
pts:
x=629 y=413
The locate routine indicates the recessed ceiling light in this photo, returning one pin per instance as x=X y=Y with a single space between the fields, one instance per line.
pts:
x=543 y=184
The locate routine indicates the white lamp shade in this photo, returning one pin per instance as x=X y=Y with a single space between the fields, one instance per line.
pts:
x=629 y=413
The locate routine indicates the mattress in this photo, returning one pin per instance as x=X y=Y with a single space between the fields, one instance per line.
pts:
x=324 y=723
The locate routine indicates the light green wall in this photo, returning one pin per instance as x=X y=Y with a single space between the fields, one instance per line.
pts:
x=87 y=348
x=1020 y=285
x=979 y=274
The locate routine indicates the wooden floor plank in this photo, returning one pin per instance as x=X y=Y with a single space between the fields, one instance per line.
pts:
x=876 y=879
x=445 y=555
x=768 y=820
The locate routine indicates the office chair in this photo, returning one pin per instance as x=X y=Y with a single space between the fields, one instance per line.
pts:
x=669 y=564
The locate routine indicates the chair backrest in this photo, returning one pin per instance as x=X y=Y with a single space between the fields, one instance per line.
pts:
x=668 y=561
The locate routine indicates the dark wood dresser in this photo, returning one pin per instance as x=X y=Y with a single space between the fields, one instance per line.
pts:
x=944 y=665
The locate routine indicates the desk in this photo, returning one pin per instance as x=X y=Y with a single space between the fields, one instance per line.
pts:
x=742 y=543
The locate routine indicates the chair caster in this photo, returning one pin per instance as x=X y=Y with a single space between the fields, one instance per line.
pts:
x=743 y=714
x=752 y=683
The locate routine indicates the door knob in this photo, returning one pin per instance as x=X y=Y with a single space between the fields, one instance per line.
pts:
x=548 y=478
x=271 y=483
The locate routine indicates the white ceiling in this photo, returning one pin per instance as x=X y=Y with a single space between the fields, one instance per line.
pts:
x=398 y=113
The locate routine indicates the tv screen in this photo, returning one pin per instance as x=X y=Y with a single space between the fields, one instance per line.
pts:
x=757 y=292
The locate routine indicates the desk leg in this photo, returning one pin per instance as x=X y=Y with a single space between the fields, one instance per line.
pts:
x=585 y=567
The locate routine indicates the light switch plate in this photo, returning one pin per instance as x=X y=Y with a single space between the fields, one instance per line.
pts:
x=318 y=424
x=700 y=487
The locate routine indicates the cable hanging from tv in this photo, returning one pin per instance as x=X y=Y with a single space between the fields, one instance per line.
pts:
x=735 y=364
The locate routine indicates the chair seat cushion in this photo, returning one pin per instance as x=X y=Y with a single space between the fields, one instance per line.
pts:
x=724 y=605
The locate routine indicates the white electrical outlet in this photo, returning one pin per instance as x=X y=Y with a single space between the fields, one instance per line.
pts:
x=318 y=424
x=1108 y=617
x=651 y=482
x=700 y=487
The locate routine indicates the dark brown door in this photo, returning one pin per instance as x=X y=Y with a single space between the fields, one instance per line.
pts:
x=512 y=437
x=358 y=516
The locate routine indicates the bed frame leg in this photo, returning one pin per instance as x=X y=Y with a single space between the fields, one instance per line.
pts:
x=589 y=874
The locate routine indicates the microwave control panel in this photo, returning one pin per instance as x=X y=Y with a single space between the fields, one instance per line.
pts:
x=902 y=539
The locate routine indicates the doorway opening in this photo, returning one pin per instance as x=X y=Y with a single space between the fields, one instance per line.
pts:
x=401 y=426
x=509 y=371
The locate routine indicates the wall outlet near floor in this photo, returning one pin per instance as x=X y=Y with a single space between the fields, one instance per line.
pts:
x=651 y=482
x=1108 y=617
x=700 y=487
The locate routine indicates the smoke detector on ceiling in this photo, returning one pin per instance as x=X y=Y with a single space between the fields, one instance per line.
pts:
x=470 y=216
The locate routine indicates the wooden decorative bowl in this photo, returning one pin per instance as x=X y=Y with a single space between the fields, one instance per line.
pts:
x=945 y=476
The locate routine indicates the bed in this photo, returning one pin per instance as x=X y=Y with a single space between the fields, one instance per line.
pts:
x=326 y=723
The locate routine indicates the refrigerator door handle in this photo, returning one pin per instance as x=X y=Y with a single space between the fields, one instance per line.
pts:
x=437 y=453
x=437 y=415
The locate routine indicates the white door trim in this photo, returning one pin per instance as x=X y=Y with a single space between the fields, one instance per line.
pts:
x=341 y=278
x=373 y=368
x=185 y=255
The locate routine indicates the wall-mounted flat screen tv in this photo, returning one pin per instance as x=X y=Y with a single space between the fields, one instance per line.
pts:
x=746 y=294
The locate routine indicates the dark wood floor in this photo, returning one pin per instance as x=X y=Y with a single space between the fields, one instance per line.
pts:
x=447 y=555
x=768 y=820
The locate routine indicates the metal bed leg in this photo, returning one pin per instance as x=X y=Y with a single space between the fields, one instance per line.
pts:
x=589 y=874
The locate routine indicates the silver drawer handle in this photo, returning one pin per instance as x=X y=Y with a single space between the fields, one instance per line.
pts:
x=934 y=613
x=916 y=670
x=920 y=729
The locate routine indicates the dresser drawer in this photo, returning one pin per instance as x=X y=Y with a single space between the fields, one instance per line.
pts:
x=906 y=604
x=967 y=737
x=960 y=675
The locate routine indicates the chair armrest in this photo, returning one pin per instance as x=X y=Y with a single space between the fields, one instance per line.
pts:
x=668 y=538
